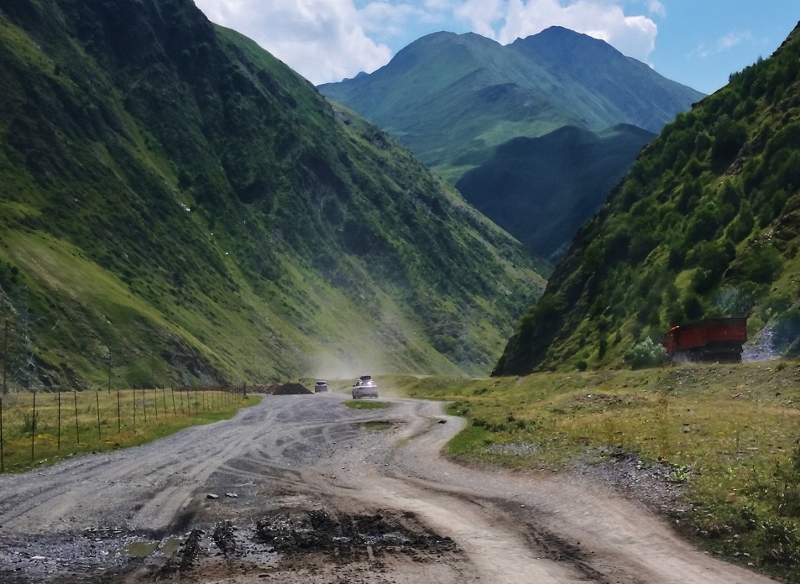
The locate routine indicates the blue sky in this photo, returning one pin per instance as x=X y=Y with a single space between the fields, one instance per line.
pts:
x=697 y=43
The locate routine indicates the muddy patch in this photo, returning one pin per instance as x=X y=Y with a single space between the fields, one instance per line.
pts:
x=344 y=536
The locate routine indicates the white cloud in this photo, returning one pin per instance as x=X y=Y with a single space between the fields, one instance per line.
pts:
x=732 y=39
x=323 y=40
x=656 y=8
x=482 y=15
x=327 y=40
x=632 y=35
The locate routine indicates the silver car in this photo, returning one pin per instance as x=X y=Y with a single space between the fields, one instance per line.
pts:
x=320 y=386
x=365 y=387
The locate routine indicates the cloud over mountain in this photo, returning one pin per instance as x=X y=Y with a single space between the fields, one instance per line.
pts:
x=328 y=40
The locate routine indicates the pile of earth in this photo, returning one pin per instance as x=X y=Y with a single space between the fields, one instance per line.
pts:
x=289 y=389
x=343 y=534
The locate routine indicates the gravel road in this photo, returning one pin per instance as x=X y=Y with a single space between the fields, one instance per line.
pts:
x=303 y=489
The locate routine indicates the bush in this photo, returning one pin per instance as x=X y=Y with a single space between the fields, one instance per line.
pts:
x=646 y=354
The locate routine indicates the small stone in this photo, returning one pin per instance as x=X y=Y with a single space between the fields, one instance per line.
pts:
x=232 y=495
x=38 y=558
x=212 y=496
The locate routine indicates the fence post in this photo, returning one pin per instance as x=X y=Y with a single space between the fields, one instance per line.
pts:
x=5 y=360
x=155 y=401
x=59 y=418
x=119 y=413
x=77 y=430
x=2 y=453
x=164 y=397
x=109 y=370
x=134 y=409
x=97 y=401
x=33 y=429
x=144 y=404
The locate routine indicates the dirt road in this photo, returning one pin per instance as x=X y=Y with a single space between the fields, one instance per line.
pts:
x=303 y=489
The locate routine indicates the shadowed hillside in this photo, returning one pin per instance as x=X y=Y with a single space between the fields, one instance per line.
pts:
x=543 y=189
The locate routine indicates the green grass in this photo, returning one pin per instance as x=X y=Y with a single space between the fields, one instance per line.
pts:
x=154 y=414
x=378 y=426
x=362 y=405
x=730 y=434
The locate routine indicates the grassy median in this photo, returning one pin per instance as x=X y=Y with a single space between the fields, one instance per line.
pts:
x=727 y=433
x=44 y=428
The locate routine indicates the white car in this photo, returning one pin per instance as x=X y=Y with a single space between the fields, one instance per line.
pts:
x=365 y=387
x=320 y=386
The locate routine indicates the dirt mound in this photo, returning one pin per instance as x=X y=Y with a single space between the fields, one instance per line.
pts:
x=290 y=389
x=344 y=535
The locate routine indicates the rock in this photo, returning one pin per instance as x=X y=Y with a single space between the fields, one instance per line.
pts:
x=442 y=421
x=232 y=495
x=38 y=558
x=212 y=496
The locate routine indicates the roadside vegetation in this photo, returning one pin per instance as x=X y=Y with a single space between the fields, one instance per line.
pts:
x=726 y=435
x=362 y=405
x=58 y=426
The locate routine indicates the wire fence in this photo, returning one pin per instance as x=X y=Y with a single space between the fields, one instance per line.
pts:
x=38 y=426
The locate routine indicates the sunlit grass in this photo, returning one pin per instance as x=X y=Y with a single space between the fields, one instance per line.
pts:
x=730 y=432
x=97 y=421
x=362 y=405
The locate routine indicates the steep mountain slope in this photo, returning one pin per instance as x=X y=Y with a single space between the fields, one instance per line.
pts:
x=642 y=96
x=705 y=223
x=173 y=194
x=453 y=98
x=543 y=189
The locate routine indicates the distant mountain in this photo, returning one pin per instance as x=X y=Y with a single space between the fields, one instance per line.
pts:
x=454 y=99
x=705 y=223
x=172 y=194
x=543 y=189
x=645 y=98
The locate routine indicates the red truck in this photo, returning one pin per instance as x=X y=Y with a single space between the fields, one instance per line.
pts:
x=709 y=339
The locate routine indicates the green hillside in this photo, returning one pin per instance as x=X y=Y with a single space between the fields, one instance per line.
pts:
x=172 y=193
x=452 y=99
x=705 y=223
x=541 y=190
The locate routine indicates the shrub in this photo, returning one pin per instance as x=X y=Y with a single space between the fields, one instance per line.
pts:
x=646 y=354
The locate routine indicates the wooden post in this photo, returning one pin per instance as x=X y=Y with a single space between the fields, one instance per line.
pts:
x=59 y=418
x=109 y=370
x=33 y=430
x=174 y=409
x=119 y=413
x=77 y=430
x=97 y=401
x=5 y=360
x=2 y=453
